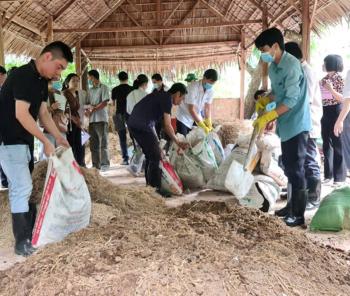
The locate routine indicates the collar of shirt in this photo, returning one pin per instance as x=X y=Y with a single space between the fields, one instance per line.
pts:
x=97 y=86
x=35 y=69
x=281 y=64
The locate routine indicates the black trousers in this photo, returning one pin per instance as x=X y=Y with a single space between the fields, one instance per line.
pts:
x=293 y=159
x=149 y=143
x=181 y=128
x=334 y=163
x=74 y=140
x=120 y=126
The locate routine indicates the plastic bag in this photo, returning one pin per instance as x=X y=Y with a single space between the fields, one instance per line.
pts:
x=334 y=212
x=216 y=146
x=66 y=204
x=136 y=162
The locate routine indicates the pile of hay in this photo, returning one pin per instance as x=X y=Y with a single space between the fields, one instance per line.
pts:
x=204 y=248
x=6 y=236
x=104 y=191
x=230 y=131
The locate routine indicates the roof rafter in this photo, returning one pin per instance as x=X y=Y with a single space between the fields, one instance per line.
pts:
x=172 y=13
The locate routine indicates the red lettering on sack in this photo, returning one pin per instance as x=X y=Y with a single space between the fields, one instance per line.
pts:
x=77 y=167
x=44 y=205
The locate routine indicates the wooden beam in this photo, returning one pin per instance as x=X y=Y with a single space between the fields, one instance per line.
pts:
x=155 y=28
x=60 y=12
x=257 y=5
x=43 y=8
x=25 y=25
x=264 y=69
x=280 y=15
x=160 y=35
x=133 y=4
x=306 y=30
x=2 y=50
x=313 y=14
x=18 y=9
x=230 y=44
x=242 y=75
x=183 y=20
x=172 y=13
x=49 y=36
x=138 y=25
x=293 y=4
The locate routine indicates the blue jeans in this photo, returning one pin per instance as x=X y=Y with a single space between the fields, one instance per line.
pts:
x=312 y=168
x=14 y=160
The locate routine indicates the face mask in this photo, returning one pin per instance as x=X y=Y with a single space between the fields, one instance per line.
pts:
x=156 y=85
x=90 y=84
x=208 y=86
x=57 y=85
x=267 y=57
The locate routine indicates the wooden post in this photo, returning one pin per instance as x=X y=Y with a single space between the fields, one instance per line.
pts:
x=265 y=25
x=50 y=29
x=78 y=60
x=242 y=76
x=84 y=76
x=306 y=29
x=2 y=52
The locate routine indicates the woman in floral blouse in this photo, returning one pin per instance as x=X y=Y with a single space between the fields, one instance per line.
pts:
x=332 y=88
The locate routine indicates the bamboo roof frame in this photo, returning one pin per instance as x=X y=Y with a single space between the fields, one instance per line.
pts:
x=155 y=35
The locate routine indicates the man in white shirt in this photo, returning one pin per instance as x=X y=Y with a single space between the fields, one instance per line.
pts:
x=200 y=97
x=312 y=167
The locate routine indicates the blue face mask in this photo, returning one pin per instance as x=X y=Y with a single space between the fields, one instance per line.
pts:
x=207 y=86
x=57 y=85
x=90 y=84
x=267 y=57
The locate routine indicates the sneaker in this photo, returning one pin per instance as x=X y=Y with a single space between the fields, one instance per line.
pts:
x=125 y=162
x=104 y=168
x=327 y=181
x=338 y=184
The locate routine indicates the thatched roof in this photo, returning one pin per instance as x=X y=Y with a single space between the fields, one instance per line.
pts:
x=145 y=35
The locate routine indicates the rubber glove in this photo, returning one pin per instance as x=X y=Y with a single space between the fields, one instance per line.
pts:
x=262 y=121
x=208 y=123
x=261 y=103
x=203 y=126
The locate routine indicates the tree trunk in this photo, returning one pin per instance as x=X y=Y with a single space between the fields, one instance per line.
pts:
x=255 y=82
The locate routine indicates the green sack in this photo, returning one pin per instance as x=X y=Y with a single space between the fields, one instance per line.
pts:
x=334 y=212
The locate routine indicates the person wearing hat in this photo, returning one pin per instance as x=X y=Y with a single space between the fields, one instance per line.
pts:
x=199 y=98
x=191 y=77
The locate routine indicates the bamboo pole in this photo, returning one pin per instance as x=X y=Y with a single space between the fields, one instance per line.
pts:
x=306 y=30
x=2 y=52
x=78 y=60
x=265 y=78
x=242 y=75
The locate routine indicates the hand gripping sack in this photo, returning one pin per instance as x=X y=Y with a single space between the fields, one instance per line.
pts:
x=170 y=181
x=66 y=204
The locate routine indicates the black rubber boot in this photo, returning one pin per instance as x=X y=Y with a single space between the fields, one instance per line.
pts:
x=314 y=197
x=33 y=212
x=296 y=217
x=22 y=230
x=285 y=211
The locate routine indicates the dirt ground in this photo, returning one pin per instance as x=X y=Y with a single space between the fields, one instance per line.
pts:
x=182 y=246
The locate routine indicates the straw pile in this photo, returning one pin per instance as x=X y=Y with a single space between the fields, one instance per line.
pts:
x=230 y=131
x=204 y=248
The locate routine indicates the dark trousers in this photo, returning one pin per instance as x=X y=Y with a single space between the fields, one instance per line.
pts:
x=3 y=177
x=181 y=128
x=334 y=164
x=312 y=168
x=120 y=126
x=74 y=140
x=293 y=159
x=99 y=144
x=149 y=143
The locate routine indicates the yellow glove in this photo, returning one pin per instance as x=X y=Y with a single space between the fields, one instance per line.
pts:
x=262 y=121
x=261 y=103
x=203 y=126
x=209 y=124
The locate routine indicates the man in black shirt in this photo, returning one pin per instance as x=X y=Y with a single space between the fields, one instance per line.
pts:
x=3 y=75
x=119 y=94
x=23 y=99
x=141 y=123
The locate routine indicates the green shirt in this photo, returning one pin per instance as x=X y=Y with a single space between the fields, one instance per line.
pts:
x=97 y=95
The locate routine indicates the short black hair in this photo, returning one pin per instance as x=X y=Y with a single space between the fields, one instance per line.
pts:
x=258 y=93
x=294 y=49
x=211 y=74
x=333 y=62
x=2 y=70
x=157 y=77
x=178 y=87
x=270 y=37
x=122 y=76
x=59 y=50
x=94 y=73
